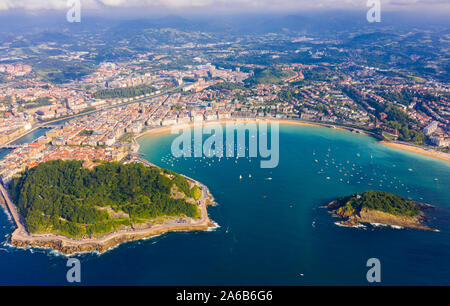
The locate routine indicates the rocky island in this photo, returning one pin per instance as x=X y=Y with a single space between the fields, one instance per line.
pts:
x=379 y=207
x=71 y=207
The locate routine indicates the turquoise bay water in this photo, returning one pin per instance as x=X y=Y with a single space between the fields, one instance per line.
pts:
x=271 y=227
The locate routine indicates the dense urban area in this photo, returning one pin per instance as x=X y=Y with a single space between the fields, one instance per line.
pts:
x=101 y=97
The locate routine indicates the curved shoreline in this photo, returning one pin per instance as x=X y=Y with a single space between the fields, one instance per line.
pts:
x=418 y=150
x=167 y=129
x=397 y=145
x=20 y=237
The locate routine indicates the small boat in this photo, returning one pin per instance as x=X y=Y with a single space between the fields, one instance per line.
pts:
x=240 y=177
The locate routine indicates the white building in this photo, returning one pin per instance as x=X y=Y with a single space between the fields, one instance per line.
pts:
x=441 y=141
x=168 y=121
x=431 y=128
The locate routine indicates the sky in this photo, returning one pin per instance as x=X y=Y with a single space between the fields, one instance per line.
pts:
x=267 y=6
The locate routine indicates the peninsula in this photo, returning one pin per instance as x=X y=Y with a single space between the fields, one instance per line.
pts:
x=73 y=207
x=379 y=207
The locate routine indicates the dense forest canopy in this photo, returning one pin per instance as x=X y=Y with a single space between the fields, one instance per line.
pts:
x=62 y=196
x=378 y=200
x=268 y=76
x=124 y=92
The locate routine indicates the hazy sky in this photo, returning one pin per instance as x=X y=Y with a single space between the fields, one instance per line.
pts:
x=441 y=6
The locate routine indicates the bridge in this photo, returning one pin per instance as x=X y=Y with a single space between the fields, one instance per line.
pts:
x=12 y=146
x=51 y=126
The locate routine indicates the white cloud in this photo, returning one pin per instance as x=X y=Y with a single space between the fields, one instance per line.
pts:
x=39 y=4
x=260 y=5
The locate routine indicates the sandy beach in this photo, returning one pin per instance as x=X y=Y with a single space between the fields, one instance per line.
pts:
x=168 y=129
x=21 y=238
x=411 y=148
x=418 y=150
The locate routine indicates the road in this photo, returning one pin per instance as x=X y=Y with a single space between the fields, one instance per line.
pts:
x=46 y=123
x=109 y=240
x=13 y=211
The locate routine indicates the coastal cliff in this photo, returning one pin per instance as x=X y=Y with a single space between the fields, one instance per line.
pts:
x=377 y=207
x=65 y=246
x=71 y=246
x=185 y=198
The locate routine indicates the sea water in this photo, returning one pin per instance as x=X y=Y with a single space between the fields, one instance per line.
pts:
x=272 y=231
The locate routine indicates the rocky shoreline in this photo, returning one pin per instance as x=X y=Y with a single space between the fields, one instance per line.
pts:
x=371 y=216
x=20 y=238
x=79 y=246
